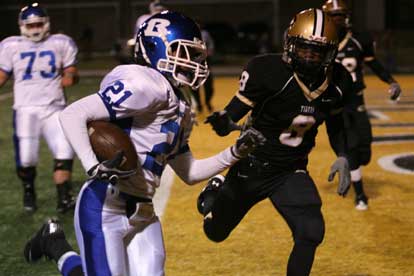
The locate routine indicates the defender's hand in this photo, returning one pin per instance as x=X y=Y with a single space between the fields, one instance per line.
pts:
x=222 y=123
x=247 y=142
x=395 y=91
x=341 y=166
x=108 y=169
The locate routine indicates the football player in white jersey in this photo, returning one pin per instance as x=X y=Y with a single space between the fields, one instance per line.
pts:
x=117 y=230
x=42 y=65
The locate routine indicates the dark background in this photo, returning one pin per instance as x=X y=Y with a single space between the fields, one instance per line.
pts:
x=242 y=27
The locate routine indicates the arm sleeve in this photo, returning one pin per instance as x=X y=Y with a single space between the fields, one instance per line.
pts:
x=336 y=132
x=74 y=119
x=250 y=91
x=380 y=71
x=368 y=46
x=236 y=109
x=6 y=63
x=70 y=53
x=192 y=170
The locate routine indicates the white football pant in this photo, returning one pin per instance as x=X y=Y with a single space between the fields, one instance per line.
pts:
x=30 y=123
x=108 y=244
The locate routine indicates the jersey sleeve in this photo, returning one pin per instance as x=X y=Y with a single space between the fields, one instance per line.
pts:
x=6 y=62
x=127 y=97
x=250 y=84
x=368 y=46
x=70 y=53
x=344 y=82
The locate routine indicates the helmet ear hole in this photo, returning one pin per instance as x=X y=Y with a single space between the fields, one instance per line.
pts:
x=151 y=46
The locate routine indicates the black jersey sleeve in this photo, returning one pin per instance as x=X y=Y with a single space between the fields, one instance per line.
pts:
x=335 y=125
x=237 y=109
x=336 y=133
x=256 y=76
x=343 y=80
x=380 y=71
x=367 y=44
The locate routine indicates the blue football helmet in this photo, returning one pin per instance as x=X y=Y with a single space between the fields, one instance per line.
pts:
x=171 y=43
x=34 y=22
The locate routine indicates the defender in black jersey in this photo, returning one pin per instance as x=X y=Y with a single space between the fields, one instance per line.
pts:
x=289 y=97
x=355 y=50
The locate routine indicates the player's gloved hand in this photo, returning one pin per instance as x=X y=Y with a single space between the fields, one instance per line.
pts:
x=222 y=123
x=341 y=167
x=247 y=142
x=395 y=91
x=108 y=169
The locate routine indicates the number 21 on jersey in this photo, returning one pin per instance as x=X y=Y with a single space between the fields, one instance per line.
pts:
x=293 y=136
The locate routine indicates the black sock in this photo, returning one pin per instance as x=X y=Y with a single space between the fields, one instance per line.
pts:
x=56 y=247
x=76 y=271
x=28 y=186
x=208 y=202
x=301 y=259
x=358 y=187
x=63 y=189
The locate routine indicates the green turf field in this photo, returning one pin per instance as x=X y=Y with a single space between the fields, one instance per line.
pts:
x=378 y=242
x=17 y=226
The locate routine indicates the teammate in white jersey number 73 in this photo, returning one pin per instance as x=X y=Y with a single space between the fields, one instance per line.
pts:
x=42 y=65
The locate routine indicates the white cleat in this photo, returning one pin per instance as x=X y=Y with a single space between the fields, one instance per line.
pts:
x=361 y=205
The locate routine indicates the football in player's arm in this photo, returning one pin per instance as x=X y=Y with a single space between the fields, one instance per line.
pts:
x=356 y=50
x=289 y=97
x=42 y=64
x=146 y=101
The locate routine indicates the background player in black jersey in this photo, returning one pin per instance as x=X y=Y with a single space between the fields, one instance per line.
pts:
x=355 y=50
x=289 y=96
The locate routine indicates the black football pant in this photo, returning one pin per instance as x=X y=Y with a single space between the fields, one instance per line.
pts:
x=293 y=194
x=359 y=136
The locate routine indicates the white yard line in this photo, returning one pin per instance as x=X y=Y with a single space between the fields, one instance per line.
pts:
x=163 y=192
x=387 y=163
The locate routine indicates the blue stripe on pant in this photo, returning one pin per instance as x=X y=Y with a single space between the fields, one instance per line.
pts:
x=16 y=141
x=90 y=219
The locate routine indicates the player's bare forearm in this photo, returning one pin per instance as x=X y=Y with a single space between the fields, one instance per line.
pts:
x=70 y=76
x=3 y=78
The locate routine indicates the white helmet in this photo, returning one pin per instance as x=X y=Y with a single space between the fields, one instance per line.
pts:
x=34 y=22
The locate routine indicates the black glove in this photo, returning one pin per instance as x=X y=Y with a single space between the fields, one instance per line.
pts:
x=247 y=142
x=108 y=169
x=341 y=166
x=395 y=91
x=222 y=123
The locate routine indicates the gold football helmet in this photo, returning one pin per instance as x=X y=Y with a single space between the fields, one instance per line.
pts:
x=335 y=7
x=311 y=43
x=340 y=14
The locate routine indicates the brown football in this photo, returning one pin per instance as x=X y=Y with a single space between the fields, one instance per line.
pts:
x=107 y=139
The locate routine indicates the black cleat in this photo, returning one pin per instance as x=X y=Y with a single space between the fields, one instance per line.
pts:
x=212 y=187
x=35 y=248
x=65 y=200
x=65 y=204
x=29 y=201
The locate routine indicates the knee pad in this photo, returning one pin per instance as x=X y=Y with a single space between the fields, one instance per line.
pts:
x=310 y=228
x=63 y=164
x=26 y=174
